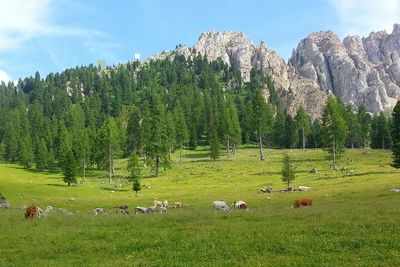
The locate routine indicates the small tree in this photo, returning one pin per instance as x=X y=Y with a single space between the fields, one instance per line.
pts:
x=69 y=168
x=135 y=169
x=136 y=186
x=287 y=170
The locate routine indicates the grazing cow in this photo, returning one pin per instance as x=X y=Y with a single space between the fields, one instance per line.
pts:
x=49 y=209
x=220 y=205
x=99 y=211
x=123 y=209
x=5 y=205
x=177 y=205
x=304 y=188
x=40 y=213
x=240 y=204
x=302 y=202
x=162 y=209
x=395 y=190
x=30 y=212
x=139 y=210
x=157 y=203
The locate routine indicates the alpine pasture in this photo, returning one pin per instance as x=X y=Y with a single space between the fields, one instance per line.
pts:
x=354 y=220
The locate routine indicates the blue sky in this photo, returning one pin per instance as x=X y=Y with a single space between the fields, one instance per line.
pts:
x=52 y=35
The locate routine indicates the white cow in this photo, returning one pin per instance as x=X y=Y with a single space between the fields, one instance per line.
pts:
x=49 y=209
x=99 y=211
x=240 y=204
x=139 y=210
x=304 y=188
x=40 y=213
x=220 y=205
x=157 y=203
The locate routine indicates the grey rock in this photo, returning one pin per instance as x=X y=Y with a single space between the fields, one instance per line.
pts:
x=357 y=70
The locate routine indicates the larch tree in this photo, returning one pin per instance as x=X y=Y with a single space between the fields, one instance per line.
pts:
x=303 y=125
x=334 y=129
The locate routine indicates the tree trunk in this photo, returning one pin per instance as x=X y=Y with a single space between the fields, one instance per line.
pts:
x=304 y=140
x=261 y=148
x=334 y=154
x=110 y=165
x=234 y=149
x=84 y=166
x=69 y=183
x=180 y=154
x=227 y=148
x=157 y=165
x=383 y=141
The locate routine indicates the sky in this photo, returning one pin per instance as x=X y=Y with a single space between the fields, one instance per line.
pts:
x=52 y=35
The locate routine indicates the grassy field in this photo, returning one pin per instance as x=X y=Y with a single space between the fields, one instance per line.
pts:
x=354 y=220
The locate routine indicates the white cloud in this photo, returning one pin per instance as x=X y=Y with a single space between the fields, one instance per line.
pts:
x=4 y=77
x=363 y=16
x=21 y=20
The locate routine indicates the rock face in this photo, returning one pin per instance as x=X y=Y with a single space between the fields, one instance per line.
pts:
x=357 y=70
x=238 y=51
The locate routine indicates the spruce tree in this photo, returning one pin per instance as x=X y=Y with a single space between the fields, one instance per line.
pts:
x=233 y=133
x=26 y=153
x=181 y=131
x=395 y=129
x=42 y=156
x=69 y=168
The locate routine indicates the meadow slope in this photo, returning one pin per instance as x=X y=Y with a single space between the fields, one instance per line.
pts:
x=354 y=220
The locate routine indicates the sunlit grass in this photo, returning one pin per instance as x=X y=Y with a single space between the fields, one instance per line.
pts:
x=353 y=222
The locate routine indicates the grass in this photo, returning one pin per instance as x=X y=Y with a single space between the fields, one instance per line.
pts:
x=354 y=220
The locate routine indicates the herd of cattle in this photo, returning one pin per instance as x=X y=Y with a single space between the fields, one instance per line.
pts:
x=158 y=206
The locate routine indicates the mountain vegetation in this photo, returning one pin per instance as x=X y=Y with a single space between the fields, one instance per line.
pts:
x=86 y=118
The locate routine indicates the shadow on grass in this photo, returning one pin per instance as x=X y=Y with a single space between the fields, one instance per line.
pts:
x=113 y=189
x=61 y=185
x=197 y=155
x=51 y=171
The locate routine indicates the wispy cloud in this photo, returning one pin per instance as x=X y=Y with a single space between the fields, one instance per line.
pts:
x=363 y=16
x=22 y=20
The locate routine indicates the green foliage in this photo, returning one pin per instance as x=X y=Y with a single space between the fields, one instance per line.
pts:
x=334 y=128
x=395 y=130
x=134 y=167
x=380 y=132
x=136 y=185
x=287 y=170
x=303 y=125
x=69 y=168
x=26 y=156
x=42 y=156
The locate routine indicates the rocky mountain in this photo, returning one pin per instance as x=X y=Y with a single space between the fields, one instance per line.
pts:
x=358 y=70
x=238 y=51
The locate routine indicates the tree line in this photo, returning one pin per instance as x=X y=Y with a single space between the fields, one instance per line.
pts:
x=86 y=118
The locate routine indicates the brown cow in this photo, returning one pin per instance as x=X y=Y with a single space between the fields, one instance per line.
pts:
x=302 y=202
x=30 y=212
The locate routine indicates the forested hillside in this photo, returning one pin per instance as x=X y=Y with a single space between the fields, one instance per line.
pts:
x=88 y=117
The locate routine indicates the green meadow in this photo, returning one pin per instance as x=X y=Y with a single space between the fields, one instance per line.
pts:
x=354 y=220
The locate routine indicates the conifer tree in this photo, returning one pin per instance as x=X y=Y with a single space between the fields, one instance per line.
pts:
x=334 y=129
x=42 y=156
x=135 y=170
x=364 y=120
x=303 y=125
x=287 y=170
x=26 y=153
x=233 y=132
x=181 y=131
x=395 y=129
x=69 y=168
